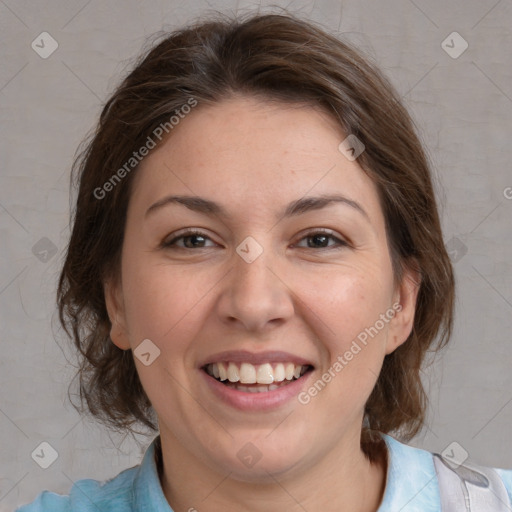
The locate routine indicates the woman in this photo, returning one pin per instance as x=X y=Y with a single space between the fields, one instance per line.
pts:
x=256 y=271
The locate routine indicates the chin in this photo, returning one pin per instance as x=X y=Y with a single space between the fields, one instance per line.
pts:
x=257 y=461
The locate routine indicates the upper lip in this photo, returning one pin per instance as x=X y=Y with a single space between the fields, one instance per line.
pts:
x=244 y=356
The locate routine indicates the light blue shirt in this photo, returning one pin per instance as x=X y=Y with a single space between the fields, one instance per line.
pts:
x=411 y=486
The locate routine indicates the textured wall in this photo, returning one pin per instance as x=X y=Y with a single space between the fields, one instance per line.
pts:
x=462 y=103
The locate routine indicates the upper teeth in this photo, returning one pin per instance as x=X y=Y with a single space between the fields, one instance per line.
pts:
x=246 y=373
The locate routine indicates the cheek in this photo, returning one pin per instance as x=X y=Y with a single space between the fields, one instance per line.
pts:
x=162 y=302
x=346 y=303
x=346 y=300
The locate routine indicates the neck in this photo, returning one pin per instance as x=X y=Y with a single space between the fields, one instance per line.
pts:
x=342 y=480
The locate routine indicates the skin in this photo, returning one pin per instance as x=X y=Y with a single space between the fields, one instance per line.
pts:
x=253 y=158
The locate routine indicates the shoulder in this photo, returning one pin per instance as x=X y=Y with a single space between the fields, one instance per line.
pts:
x=89 y=495
x=136 y=488
x=506 y=477
x=420 y=480
x=411 y=479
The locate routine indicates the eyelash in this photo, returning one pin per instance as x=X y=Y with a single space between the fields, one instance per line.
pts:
x=171 y=244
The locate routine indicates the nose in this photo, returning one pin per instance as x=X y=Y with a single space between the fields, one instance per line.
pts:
x=255 y=296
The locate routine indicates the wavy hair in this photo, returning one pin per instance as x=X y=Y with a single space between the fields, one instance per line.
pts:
x=276 y=57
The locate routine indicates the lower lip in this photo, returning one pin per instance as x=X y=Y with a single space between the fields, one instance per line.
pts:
x=267 y=400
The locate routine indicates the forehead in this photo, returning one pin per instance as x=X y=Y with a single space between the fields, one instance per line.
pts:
x=253 y=156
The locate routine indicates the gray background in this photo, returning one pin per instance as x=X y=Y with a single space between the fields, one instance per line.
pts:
x=463 y=107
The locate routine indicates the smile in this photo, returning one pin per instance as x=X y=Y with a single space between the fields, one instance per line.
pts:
x=251 y=378
x=255 y=381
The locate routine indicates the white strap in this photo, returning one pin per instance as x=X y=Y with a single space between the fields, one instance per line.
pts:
x=470 y=488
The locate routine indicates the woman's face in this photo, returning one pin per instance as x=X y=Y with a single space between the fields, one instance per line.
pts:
x=275 y=282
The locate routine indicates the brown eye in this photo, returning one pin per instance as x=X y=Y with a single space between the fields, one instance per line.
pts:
x=321 y=240
x=188 y=240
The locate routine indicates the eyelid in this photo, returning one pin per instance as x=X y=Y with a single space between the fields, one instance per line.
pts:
x=170 y=241
x=341 y=241
x=186 y=232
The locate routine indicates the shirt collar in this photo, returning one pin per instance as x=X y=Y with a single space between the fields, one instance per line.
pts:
x=147 y=490
x=411 y=479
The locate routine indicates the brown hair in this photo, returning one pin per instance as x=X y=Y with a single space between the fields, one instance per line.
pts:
x=275 y=57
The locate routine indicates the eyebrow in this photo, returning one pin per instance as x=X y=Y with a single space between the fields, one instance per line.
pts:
x=300 y=206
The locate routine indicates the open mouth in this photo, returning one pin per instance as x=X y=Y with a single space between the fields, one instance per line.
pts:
x=260 y=378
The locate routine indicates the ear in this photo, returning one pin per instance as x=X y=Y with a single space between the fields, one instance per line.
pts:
x=116 y=312
x=404 y=304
